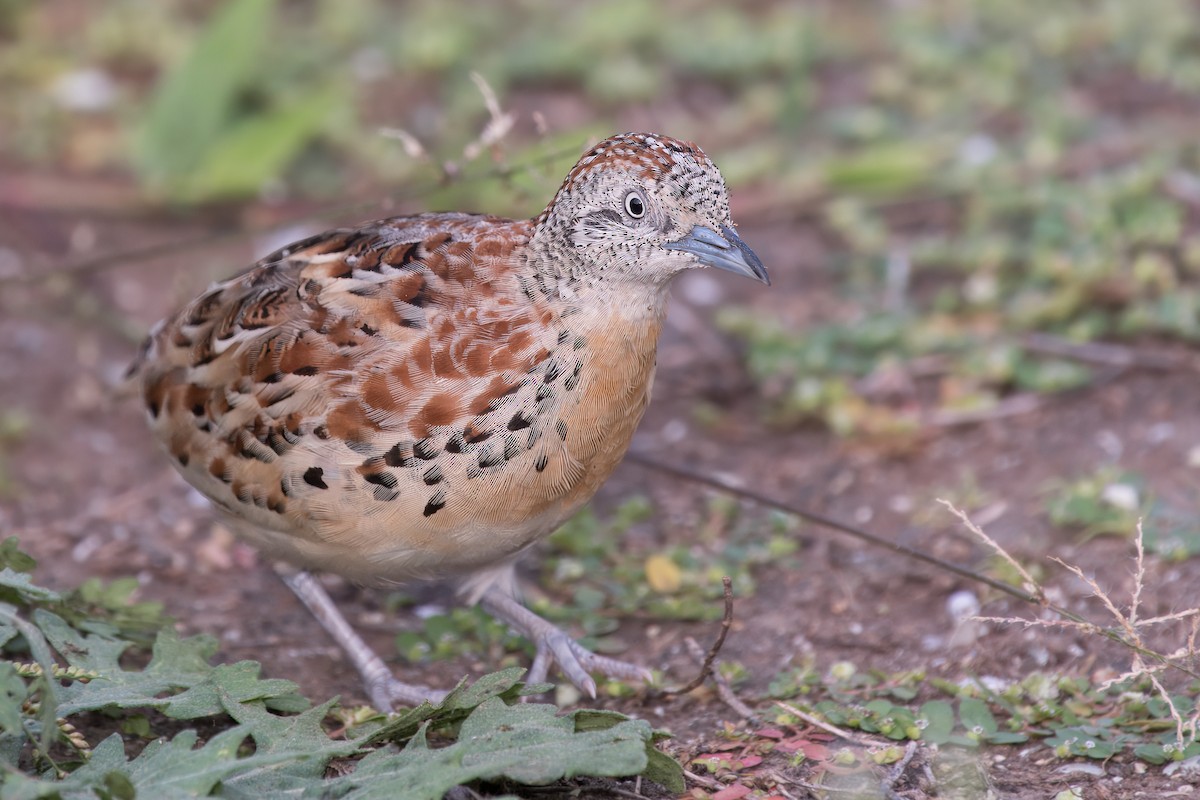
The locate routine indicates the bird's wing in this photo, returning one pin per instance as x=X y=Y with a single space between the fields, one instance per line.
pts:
x=338 y=359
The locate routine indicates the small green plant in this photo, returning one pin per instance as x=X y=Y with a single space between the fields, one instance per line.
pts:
x=1069 y=714
x=1111 y=502
x=1151 y=711
x=224 y=731
x=1106 y=502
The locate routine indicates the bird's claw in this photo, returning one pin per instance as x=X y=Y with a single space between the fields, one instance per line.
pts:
x=577 y=663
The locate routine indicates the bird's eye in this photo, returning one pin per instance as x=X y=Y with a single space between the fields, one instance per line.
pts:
x=634 y=205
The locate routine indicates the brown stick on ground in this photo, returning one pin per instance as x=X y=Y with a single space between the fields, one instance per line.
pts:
x=706 y=669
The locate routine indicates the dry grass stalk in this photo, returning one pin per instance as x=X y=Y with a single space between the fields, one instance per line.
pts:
x=1129 y=632
x=1029 y=584
x=499 y=124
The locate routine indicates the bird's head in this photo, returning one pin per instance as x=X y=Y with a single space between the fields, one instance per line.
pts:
x=643 y=207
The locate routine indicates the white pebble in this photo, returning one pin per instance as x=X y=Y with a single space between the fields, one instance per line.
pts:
x=88 y=90
x=1121 y=495
x=962 y=605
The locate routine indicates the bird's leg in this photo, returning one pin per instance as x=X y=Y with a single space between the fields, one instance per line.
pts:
x=382 y=687
x=554 y=645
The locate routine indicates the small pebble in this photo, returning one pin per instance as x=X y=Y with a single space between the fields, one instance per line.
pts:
x=88 y=90
x=1085 y=769
x=962 y=605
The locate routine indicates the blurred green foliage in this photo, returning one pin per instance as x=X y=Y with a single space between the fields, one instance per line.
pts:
x=977 y=169
x=63 y=661
x=1115 y=503
x=1073 y=716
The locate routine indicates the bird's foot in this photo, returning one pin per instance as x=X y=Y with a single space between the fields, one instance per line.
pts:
x=554 y=646
x=385 y=693
x=383 y=690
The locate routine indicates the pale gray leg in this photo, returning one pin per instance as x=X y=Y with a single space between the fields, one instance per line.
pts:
x=553 y=645
x=382 y=688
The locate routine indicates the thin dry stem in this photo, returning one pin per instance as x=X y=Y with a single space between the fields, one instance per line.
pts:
x=1030 y=584
x=499 y=123
x=706 y=666
x=1134 y=637
x=1181 y=740
x=1178 y=615
x=1085 y=627
x=1185 y=729
x=1139 y=577
x=411 y=144
x=825 y=726
x=1191 y=640
x=724 y=690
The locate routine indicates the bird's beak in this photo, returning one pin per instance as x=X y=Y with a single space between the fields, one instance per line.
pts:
x=724 y=250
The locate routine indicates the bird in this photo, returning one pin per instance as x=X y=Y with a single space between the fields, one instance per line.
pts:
x=426 y=397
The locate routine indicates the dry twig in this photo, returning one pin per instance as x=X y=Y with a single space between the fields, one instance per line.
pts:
x=724 y=690
x=1028 y=583
x=825 y=726
x=706 y=667
x=1128 y=632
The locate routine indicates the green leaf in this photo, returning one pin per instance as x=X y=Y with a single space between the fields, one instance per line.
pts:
x=18 y=587
x=528 y=743
x=276 y=735
x=227 y=683
x=454 y=706
x=976 y=717
x=175 y=768
x=939 y=718
x=883 y=169
x=175 y=664
x=259 y=148
x=1154 y=752
x=13 y=692
x=50 y=691
x=1006 y=737
x=14 y=558
x=197 y=98
x=660 y=767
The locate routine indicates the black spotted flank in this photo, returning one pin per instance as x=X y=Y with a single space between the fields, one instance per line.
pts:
x=385 y=485
x=433 y=475
x=395 y=457
x=424 y=450
x=436 y=503
x=490 y=458
x=541 y=462
x=512 y=448
x=315 y=476
x=573 y=379
x=553 y=370
x=518 y=422
x=472 y=436
x=385 y=479
x=561 y=427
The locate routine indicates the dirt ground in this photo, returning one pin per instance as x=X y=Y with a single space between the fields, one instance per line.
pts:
x=92 y=496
